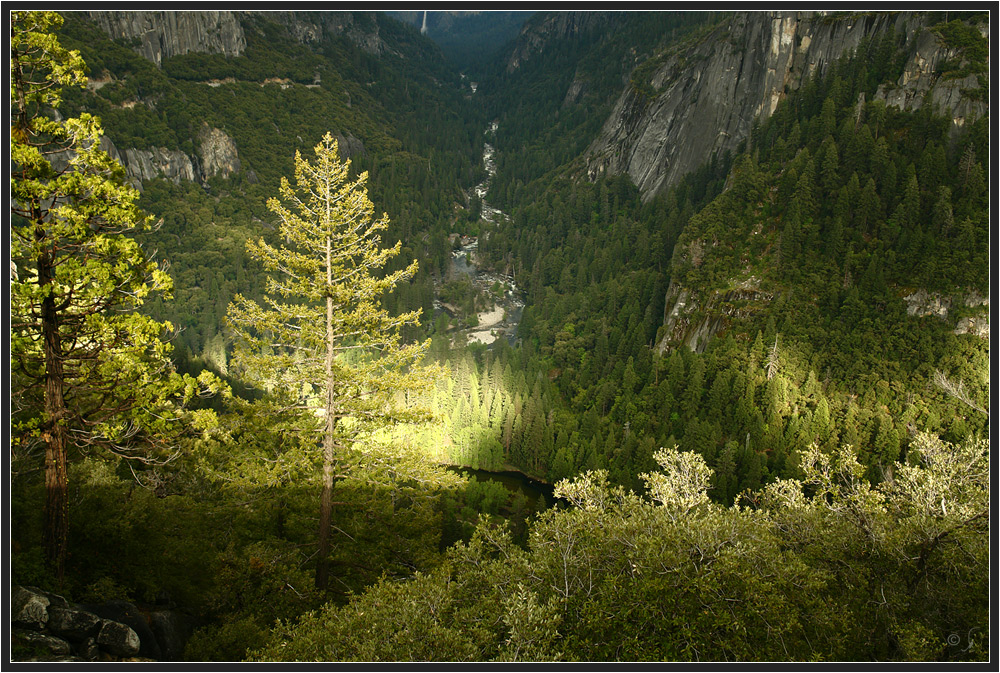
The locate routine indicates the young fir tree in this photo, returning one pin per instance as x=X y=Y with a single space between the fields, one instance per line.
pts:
x=86 y=368
x=321 y=326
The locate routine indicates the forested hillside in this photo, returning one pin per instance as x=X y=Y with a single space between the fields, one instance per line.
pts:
x=801 y=268
x=403 y=116
x=243 y=399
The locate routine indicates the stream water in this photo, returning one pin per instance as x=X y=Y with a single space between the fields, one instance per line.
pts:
x=501 y=319
x=538 y=494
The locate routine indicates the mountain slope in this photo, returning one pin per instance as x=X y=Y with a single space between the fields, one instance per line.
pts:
x=207 y=109
x=469 y=39
x=689 y=102
x=747 y=312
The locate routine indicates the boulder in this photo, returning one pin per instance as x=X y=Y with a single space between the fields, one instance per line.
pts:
x=88 y=649
x=29 y=609
x=54 y=646
x=172 y=630
x=117 y=639
x=73 y=624
x=129 y=615
x=54 y=599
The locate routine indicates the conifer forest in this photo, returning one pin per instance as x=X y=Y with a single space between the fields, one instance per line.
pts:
x=499 y=336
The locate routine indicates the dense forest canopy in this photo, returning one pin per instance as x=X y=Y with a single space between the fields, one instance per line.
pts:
x=286 y=303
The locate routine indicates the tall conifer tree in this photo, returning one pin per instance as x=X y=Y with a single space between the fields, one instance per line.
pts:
x=87 y=369
x=321 y=326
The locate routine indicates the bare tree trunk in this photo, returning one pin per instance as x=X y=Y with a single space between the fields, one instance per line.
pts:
x=326 y=496
x=54 y=432
x=325 y=507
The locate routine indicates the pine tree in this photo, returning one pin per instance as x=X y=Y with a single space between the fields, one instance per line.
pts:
x=88 y=370
x=321 y=323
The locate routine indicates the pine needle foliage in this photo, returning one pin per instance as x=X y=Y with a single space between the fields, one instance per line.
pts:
x=88 y=370
x=321 y=338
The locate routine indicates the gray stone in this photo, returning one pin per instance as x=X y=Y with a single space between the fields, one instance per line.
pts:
x=703 y=99
x=118 y=639
x=28 y=608
x=218 y=153
x=125 y=613
x=73 y=624
x=161 y=35
x=54 y=599
x=54 y=646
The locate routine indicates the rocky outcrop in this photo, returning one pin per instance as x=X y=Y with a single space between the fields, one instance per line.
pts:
x=48 y=627
x=922 y=303
x=361 y=28
x=158 y=162
x=703 y=99
x=131 y=629
x=920 y=79
x=30 y=607
x=575 y=91
x=218 y=153
x=350 y=146
x=160 y=35
x=692 y=321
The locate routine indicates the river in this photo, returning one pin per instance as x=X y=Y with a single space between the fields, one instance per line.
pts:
x=503 y=315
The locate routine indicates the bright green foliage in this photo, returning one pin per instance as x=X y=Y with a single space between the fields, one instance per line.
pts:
x=87 y=368
x=323 y=301
x=829 y=568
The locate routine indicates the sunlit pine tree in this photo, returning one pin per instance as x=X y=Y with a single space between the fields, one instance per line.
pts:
x=321 y=338
x=88 y=370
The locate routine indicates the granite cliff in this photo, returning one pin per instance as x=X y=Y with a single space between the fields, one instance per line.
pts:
x=216 y=155
x=739 y=71
x=159 y=35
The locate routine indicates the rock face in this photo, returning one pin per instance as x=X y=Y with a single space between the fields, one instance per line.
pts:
x=692 y=322
x=217 y=155
x=920 y=79
x=158 y=162
x=350 y=146
x=161 y=35
x=705 y=98
x=361 y=28
x=536 y=34
x=923 y=303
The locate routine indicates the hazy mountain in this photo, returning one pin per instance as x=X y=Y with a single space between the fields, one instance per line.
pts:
x=469 y=39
